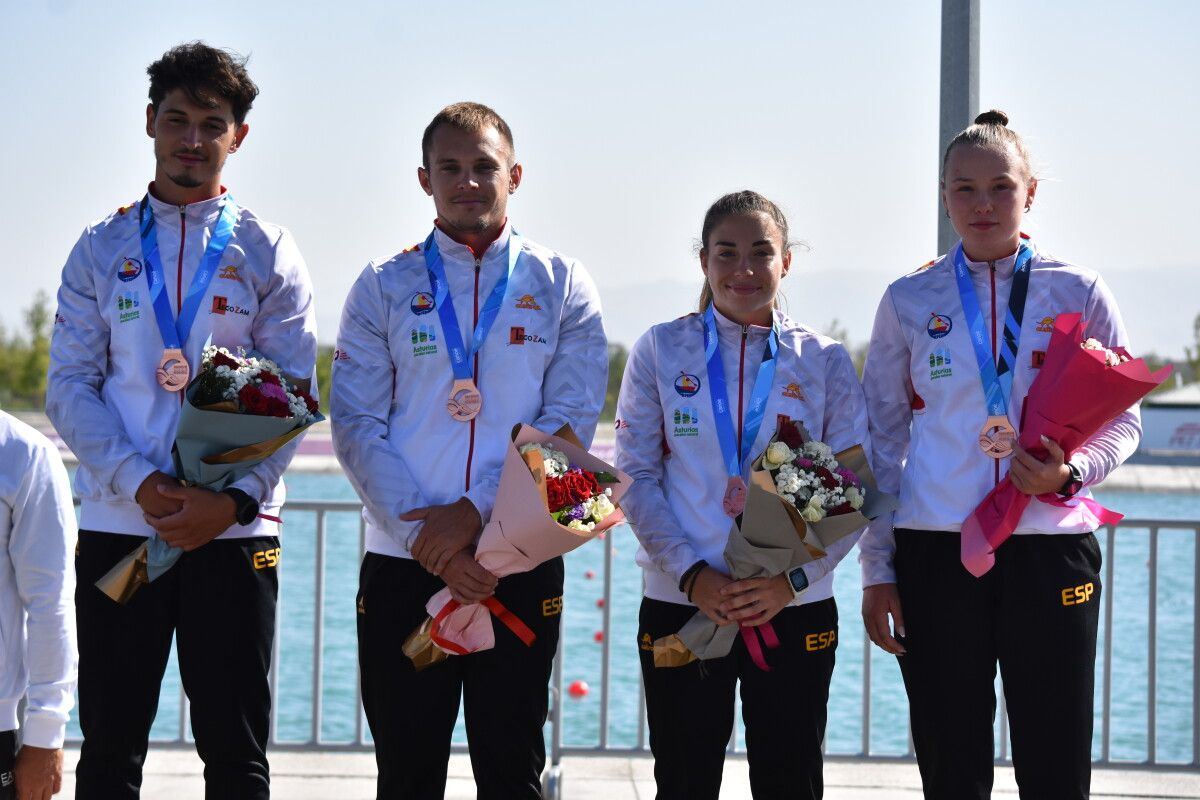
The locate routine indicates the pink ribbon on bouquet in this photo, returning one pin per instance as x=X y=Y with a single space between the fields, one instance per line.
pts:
x=750 y=638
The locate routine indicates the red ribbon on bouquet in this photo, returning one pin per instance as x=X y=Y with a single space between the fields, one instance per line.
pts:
x=1074 y=395
x=499 y=611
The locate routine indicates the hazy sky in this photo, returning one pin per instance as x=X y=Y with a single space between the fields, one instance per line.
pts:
x=630 y=118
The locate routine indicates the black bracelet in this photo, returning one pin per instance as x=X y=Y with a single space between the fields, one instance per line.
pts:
x=690 y=573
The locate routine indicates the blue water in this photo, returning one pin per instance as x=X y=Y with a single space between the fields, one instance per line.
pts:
x=582 y=619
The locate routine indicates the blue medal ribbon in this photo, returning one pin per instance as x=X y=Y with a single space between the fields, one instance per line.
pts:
x=997 y=379
x=175 y=332
x=718 y=394
x=460 y=357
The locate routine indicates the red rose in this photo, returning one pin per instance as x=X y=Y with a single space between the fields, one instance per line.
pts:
x=269 y=377
x=277 y=408
x=308 y=400
x=557 y=494
x=789 y=434
x=252 y=400
x=222 y=360
x=827 y=478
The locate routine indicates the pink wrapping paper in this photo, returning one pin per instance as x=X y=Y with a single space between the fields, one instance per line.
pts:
x=520 y=535
x=1074 y=395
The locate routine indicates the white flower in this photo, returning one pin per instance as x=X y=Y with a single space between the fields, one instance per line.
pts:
x=811 y=514
x=788 y=498
x=555 y=461
x=856 y=502
x=580 y=525
x=599 y=507
x=778 y=453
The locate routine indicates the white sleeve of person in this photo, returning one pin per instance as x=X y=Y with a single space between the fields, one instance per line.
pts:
x=37 y=586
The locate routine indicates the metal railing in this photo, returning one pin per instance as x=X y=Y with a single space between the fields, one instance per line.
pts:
x=1131 y=529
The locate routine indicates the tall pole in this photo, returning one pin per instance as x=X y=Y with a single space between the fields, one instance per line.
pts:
x=960 y=87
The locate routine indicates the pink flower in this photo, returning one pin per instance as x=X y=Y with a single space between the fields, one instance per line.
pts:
x=273 y=391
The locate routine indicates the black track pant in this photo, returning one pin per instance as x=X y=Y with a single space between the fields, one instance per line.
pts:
x=690 y=708
x=219 y=601
x=8 y=751
x=504 y=689
x=1035 y=613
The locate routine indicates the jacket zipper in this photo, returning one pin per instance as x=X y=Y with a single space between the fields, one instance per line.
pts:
x=741 y=383
x=179 y=277
x=474 y=322
x=995 y=461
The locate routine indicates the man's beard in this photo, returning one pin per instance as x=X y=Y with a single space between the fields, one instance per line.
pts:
x=185 y=180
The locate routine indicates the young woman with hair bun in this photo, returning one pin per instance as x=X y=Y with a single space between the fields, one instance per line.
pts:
x=942 y=428
x=765 y=366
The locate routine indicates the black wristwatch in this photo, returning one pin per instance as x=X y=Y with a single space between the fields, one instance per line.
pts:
x=245 y=507
x=1073 y=483
x=798 y=578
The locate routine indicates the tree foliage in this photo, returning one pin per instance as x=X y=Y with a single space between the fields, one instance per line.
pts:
x=25 y=358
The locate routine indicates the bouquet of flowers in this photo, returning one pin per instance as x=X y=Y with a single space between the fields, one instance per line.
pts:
x=238 y=411
x=1082 y=386
x=573 y=495
x=553 y=496
x=802 y=498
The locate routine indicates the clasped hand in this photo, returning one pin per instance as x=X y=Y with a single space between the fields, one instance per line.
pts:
x=186 y=517
x=751 y=601
x=445 y=547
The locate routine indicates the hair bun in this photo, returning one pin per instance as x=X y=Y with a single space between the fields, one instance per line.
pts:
x=993 y=117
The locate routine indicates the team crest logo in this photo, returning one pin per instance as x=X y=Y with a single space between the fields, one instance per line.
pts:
x=939 y=364
x=793 y=391
x=230 y=273
x=528 y=302
x=686 y=421
x=687 y=385
x=421 y=303
x=129 y=270
x=1046 y=325
x=939 y=325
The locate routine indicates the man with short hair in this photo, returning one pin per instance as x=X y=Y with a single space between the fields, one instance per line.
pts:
x=141 y=293
x=442 y=349
x=37 y=622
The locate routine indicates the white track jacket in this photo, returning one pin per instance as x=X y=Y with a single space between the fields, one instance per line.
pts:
x=667 y=443
x=102 y=395
x=927 y=406
x=37 y=585
x=544 y=363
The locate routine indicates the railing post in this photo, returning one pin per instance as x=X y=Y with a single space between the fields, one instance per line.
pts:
x=318 y=628
x=1152 y=653
x=1110 y=549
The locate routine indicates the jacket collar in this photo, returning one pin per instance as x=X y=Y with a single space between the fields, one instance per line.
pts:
x=727 y=328
x=1004 y=266
x=201 y=213
x=461 y=253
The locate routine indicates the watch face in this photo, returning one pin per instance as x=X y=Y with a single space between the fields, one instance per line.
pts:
x=798 y=579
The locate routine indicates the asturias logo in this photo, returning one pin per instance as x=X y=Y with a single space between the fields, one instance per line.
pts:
x=424 y=340
x=686 y=422
x=687 y=385
x=129 y=270
x=421 y=303
x=939 y=364
x=939 y=325
x=128 y=306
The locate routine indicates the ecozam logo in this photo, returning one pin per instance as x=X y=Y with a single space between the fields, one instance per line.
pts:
x=517 y=335
x=686 y=422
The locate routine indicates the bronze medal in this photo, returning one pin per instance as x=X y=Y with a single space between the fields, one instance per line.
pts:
x=465 y=401
x=735 y=496
x=173 y=370
x=998 y=437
